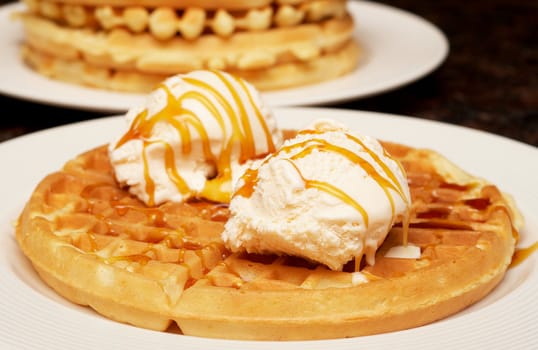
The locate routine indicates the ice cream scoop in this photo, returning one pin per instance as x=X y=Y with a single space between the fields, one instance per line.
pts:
x=193 y=137
x=328 y=195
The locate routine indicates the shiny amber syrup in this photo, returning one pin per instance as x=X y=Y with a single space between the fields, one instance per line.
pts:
x=521 y=254
x=250 y=178
x=181 y=118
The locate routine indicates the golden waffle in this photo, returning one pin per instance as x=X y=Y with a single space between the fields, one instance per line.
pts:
x=151 y=267
x=120 y=46
x=272 y=78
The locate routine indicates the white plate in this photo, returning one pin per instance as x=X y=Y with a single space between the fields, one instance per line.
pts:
x=35 y=317
x=399 y=48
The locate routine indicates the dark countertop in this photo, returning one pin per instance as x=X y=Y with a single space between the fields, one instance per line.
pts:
x=488 y=82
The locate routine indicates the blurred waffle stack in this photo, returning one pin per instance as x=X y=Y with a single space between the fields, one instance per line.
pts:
x=133 y=45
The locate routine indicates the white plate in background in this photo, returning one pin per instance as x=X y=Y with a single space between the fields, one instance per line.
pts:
x=399 y=48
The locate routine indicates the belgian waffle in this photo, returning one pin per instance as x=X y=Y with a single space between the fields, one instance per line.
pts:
x=130 y=47
x=154 y=266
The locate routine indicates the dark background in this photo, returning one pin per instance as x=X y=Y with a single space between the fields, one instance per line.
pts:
x=488 y=82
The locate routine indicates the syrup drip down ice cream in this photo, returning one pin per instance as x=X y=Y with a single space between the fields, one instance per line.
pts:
x=192 y=138
x=328 y=195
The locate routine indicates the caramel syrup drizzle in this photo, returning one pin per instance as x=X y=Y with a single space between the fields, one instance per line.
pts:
x=175 y=240
x=250 y=178
x=387 y=181
x=521 y=254
x=181 y=118
x=375 y=157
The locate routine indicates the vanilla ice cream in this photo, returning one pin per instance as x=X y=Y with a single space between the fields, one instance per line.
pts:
x=192 y=138
x=328 y=195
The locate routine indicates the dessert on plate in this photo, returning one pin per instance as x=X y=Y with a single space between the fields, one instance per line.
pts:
x=133 y=45
x=205 y=214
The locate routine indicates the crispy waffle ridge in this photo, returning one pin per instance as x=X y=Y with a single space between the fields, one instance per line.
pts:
x=155 y=266
x=130 y=47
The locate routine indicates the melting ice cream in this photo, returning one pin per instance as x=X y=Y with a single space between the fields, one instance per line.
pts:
x=193 y=138
x=328 y=195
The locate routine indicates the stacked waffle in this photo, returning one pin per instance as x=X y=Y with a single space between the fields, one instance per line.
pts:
x=132 y=46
